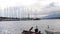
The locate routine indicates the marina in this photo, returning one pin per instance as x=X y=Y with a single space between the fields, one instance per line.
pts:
x=29 y=16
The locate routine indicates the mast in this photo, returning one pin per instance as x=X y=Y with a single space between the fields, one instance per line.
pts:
x=28 y=13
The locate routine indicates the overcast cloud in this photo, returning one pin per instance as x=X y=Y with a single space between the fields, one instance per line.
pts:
x=34 y=7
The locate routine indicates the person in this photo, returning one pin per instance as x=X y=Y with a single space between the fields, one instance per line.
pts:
x=30 y=28
x=36 y=30
x=29 y=32
x=39 y=32
x=48 y=26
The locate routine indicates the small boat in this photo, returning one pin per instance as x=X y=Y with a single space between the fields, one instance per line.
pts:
x=36 y=19
x=52 y=31
x=31 y=32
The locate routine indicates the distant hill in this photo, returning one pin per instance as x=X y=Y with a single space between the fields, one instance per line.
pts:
x=53 y=15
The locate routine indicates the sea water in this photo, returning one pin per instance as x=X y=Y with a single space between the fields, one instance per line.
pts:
x=16 y=27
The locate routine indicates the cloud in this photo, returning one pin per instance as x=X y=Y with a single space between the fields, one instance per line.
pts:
x=53 y=6
x=10 y=3
x=33 y=7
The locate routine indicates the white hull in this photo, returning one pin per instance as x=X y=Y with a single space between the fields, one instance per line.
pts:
x=51 y=32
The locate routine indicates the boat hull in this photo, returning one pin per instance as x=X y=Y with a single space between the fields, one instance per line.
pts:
x=51 y=32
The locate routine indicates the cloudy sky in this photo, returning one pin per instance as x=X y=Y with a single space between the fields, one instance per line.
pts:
x=35 y=7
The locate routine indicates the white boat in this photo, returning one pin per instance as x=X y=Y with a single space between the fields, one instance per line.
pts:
x=52 y=31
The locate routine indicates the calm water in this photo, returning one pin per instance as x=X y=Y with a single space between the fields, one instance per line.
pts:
x=16 y=27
